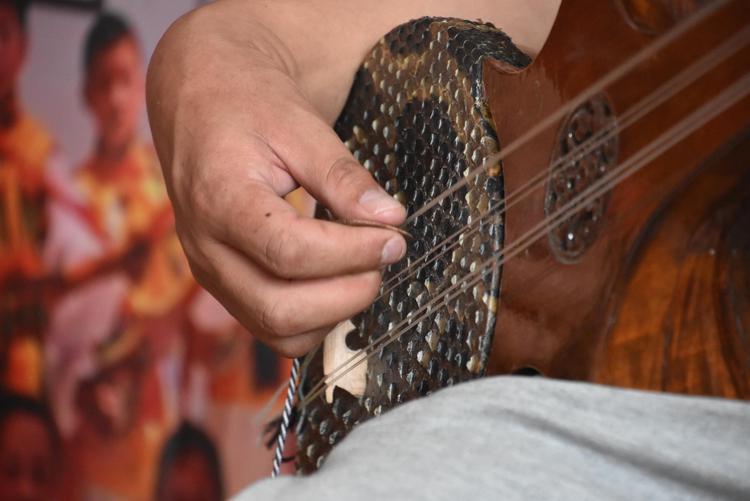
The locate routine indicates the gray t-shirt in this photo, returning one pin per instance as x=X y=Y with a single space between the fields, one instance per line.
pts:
x=536 y=438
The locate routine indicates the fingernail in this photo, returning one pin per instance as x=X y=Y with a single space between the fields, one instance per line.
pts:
x=378 y=201
x=393 y=250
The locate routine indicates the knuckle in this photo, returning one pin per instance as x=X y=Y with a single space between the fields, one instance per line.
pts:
x=206 y=189
x=342 y=172
x=274 y=320
x=283 y=253
x=202 y=197
x=203 y=264
x=203 y=276
x=186 y=240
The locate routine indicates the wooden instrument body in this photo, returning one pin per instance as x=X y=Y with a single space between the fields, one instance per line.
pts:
x=660 y=299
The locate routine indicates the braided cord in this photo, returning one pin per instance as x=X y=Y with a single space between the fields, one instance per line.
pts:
x=286 y=417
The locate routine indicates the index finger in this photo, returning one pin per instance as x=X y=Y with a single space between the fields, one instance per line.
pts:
x=289 y=245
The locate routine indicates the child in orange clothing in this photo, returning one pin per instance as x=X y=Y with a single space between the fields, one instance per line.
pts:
x=27 y=154
x=121 y=396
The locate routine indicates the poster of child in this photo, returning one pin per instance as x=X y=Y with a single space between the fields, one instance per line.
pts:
x=143 y=378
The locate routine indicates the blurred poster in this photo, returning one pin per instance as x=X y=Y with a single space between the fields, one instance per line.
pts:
x=120 y=377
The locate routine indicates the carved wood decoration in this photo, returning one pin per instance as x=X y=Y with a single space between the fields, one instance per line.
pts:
x=650 y=290
x=659 y=299
x=576 y=167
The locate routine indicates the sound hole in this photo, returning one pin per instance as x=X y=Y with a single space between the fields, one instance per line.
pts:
x=527 y=371
x=586 y=152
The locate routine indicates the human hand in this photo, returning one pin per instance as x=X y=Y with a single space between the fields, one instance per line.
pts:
x=236 y=131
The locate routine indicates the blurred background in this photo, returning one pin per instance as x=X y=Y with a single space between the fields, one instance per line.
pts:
x=121 y=378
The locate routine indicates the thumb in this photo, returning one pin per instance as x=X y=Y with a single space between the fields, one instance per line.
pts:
x=320 y=162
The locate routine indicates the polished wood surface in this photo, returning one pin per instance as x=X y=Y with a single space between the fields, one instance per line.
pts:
x=660 y=300
x=682 y=311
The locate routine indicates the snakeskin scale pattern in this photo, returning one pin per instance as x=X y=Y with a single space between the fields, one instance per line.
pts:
x=416 y=119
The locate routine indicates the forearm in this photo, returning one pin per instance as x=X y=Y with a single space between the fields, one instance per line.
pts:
x=320 y=44
x=241 y=98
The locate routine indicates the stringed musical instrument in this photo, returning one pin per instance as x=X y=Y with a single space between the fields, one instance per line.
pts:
x=585 y=215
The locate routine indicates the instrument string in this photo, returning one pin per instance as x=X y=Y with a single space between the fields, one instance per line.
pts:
x=735 y=38
x=678 y=132
x=592 y=90
x=631 y=116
